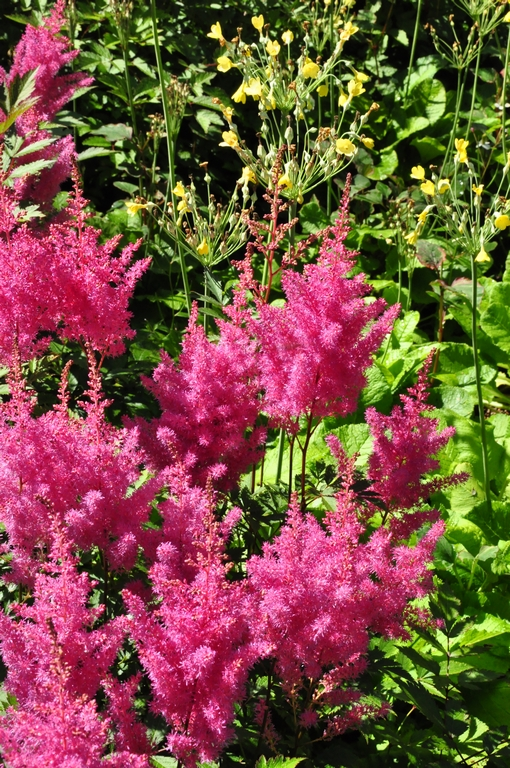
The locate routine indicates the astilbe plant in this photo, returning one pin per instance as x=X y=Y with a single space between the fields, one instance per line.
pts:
x=44 y=51
x=56 y=664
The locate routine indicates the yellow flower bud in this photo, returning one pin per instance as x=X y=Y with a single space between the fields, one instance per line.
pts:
x=360 y=77
x=368 y=142
x=355 y=88
x=240 y=95
x=273 y=47
x=461 y=146
x=179 y=190
x=285 y=181
x=288 y=37
x=348 y=31
x=443 y=185
x=310 y=69
x=182 y=206
x=258 y=22
x=482 y=255
x=412 y=238
x=478 y=190
x=247 y=175
x=345 y=147
x=418 y=172
x=323 y=90
x=342 y=99
x=506 y=17
x=254 y=88
x=133 y=208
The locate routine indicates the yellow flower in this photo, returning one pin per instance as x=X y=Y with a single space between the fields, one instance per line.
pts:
x=506 y=17
x=179 y=190
x=368 y=142
x=288 y=37
x=229 y=139
x=423 y=215
x=228 y=113
x=273 y=47
x=461 y=146
x=240 y=95
x=442 y=186
x=300 y=198
x=412 y=238
x=182 y=206
x=418 y=172
x=482 y=255
x=345 y=147
x=224 y=64
x=310 y=69
x=502 y=221
x=355 y=88
x=258 y=22
x=428 y=187
x=342 y=99
x=247 y=175
x=254 y=88
x=285 y=181
x=323 y=90
x=478 y=190
x=133 y=208
x=348 y=31
x=216 y=32
x=360 y=77
x=203 y=248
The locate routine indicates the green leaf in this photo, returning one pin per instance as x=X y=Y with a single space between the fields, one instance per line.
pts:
x=428 y=148
x=279 y=762
x=164 y=762
x=31 y=168
x=126 y=186
x=429 y=98
x=486 y=628
x=35 y=147
x=207 y=118
x=490 y=703
x=495 y=318
x=93 y=152
x=312 y=218
x=114 y=132
x=387 y=165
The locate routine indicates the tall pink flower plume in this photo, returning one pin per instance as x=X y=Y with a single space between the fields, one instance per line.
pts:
x=45 y=50
x=56 y=663
x=209 y=404
x=314 y=350
x=196 y=644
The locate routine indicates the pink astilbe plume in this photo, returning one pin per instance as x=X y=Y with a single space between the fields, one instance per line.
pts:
x=78 y=469
x=209 y=404
x=55 y=664
x=60 y=279
x=314 y=350
x=45 y=50
x=196 y=645
x=404 y=449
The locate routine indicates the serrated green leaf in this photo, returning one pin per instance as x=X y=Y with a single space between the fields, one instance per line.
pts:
x=207 y=118
x=491 y=703
x=35 y=147
x=164 y=762
x=31 y=168
x=93 y=152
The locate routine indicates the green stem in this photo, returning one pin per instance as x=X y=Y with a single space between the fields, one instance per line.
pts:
x=413 y=50
x=132 y=110
x=206 y=296
x=170 y=145
x=281 y=448
x=503 y=95
x=483 y=434
x=460 y=93
x=473 y=96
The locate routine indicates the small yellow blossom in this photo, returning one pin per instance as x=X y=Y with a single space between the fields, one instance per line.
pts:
x=240 y=95
x=360 y=77
x=273 y=47
x=247 y=175
x=506 y=17
x=179 y=190
x=412 y=238
x=310 y=69
x=482 y=255
x=422 y=217
x=348 y=31
x=443 y=185
x=418 y=172
x=323 y=90
x=224 y=64
x=300 y=198
x=254 y=88
x=133 y=208
x=478 y=190
x=342 y=99
x=182 y=206
x=228 y=113
x=428 y=187
x=288 y=36
x=258 y=23
x=203 y=248
x=368 y=142
x=229 y=139
x=216 y=32
x=355 y=88
x=345 y=147
x=502 y=221
x=285 y=181
x=461 y=146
